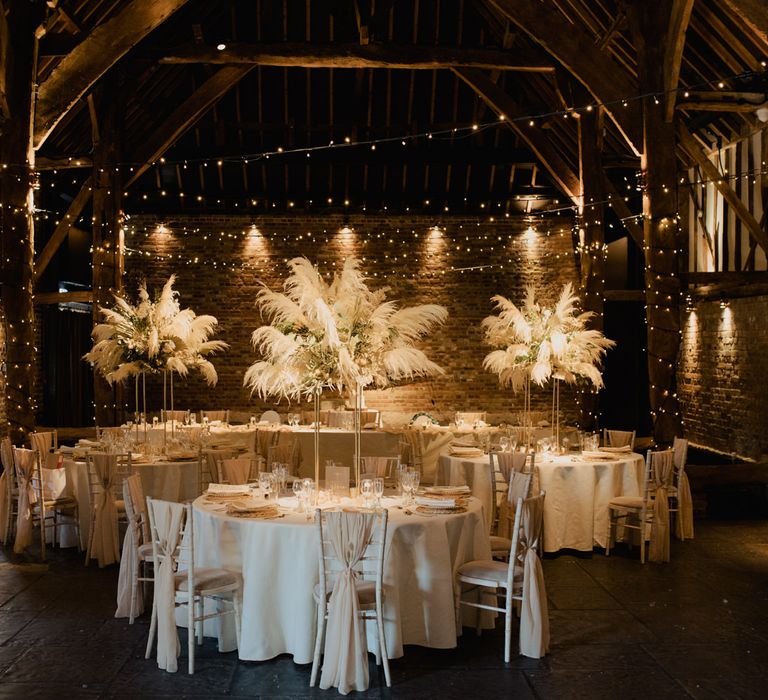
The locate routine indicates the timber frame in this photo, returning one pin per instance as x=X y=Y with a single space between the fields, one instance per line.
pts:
x=574 y=98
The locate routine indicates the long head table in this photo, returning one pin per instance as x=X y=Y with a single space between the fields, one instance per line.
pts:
x=278 y=560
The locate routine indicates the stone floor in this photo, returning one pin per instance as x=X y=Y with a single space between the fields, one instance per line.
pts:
x=697 y=627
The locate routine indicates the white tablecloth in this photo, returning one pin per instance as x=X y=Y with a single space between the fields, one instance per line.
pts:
x=278 y=562
x=578 y=491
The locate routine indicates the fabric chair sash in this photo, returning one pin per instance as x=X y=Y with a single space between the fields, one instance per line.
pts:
x=129 y=561
x=25 y=461
x=534 y=613
x=106 y=537
x=511 y=462
x=237 y=470
x=684 y=521
x=662 y=469
x=346 y=663
x=168 y=518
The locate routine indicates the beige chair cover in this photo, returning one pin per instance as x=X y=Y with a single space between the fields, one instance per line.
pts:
x=534 y=613
x=425 y=447
x=106 y=537
x=662 y=471
x=212 y=459
x=619 y=438
x=345 y=664
x=6 y=487
x=684 y=520
x=264 y=439
x=129 y=561
x=237 y=470
x=519 y=486
x=25 y=462
x=511 y=462
x=168 y=518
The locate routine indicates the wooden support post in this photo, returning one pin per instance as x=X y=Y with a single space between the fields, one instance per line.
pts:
x=591 y=237
x=107 y=228
x=662 y=281
x=17 y=234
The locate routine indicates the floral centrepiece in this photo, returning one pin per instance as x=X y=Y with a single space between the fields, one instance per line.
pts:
x=539 y=343
x=340 y=336
x=153 y=336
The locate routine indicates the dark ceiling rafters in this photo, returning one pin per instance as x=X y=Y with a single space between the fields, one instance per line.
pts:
x=588 y=40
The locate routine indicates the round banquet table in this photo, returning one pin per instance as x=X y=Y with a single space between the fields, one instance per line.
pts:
x=578 y=491
x=278 y=560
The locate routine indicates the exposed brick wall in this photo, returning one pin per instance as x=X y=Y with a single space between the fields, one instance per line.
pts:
x=722 y=376
x=399 y=252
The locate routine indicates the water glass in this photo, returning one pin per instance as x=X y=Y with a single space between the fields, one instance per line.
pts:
x=265 y=483
x=503 y=443
x=252 y=421
x=378 y=490
x=192 y=418
x=298 y=491
x=366 y=490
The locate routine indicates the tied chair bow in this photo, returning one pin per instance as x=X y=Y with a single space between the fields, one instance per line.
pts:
x=534 y=614
x=25 y=471
x=168 y=519
x=662 y=471
x=346 y=664
x=105 y=542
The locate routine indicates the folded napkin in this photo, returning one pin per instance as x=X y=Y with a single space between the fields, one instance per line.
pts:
x=448 y=490
x=624 y=448
x=597 y=454
x=433 y=502
x=88 y=443
x=466 y=451
x=181 y=454
x=252 y=509
x=227 y=490
x=370 y=426
x=468 y=441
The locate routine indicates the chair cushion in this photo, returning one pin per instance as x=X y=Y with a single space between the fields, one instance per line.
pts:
x=145 y=551
x=488 y=570
x=627 y=502
x=205 y=579
x=366 y=592
x=500 y=543
x=61 y=503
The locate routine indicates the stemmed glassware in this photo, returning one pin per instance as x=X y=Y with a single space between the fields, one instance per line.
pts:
x=378 y=490
x=410 y=480
x=265 y=483
x=298 y=491
x=503 y=443
x=366 y=490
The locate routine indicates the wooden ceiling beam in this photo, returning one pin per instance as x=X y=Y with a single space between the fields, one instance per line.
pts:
x=76 y=73
x=680 y=16
x=573 y=46
x=549 y=157
x=43 y=163
x=711 y=173
x=61 y=231
x=184 y=117
x=316 y=55
x=720 y=101
x=752 y=14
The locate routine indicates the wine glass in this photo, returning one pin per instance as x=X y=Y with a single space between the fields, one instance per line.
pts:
x=265 y=483
x=298 y=491
x=378 y=490
x=503 y=443
x=366 y=490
